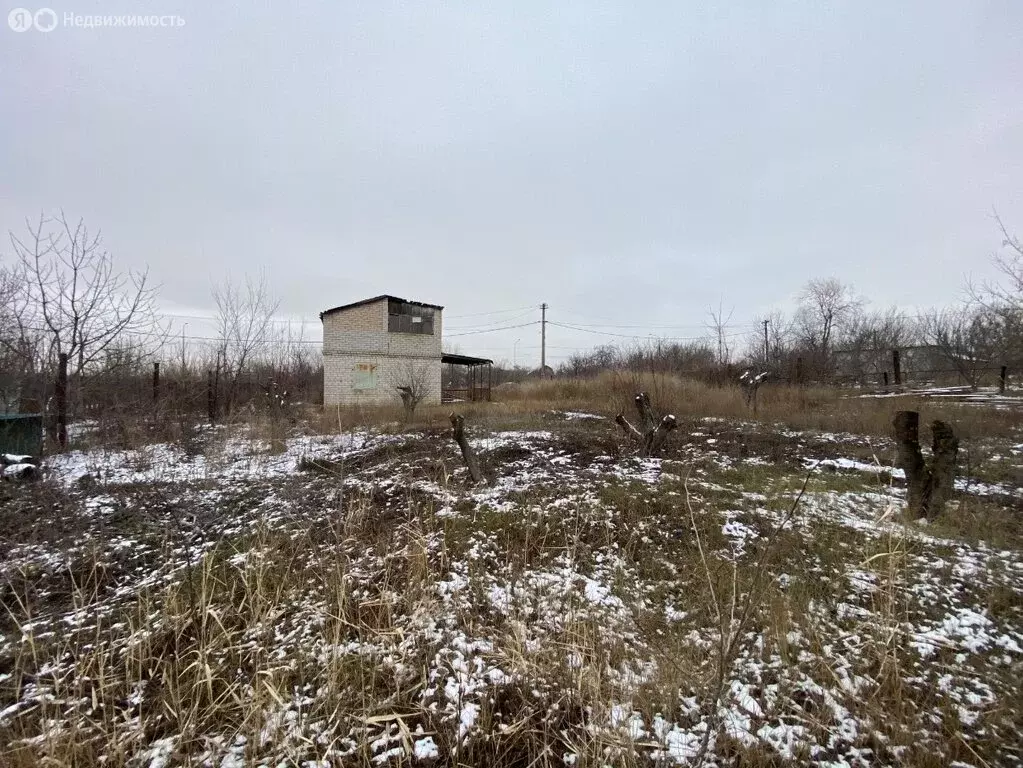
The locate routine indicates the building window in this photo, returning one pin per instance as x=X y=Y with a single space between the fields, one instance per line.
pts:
x=403 y=317
x=364 y=377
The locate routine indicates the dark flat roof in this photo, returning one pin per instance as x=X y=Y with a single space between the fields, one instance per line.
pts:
x=464 y=360
x=375 y=299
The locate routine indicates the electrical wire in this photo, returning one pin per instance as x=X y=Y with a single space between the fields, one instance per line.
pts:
x=649 y=336
x=495 y=312
x=615 y=324
x=487 y=325
x=492 y=330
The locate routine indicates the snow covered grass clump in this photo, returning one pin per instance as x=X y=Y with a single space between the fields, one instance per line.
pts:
x=351 y=600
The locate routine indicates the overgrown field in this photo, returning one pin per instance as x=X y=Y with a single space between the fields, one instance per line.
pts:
x=753 y=598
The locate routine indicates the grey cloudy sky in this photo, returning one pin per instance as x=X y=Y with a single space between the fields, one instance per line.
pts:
x=628 y=163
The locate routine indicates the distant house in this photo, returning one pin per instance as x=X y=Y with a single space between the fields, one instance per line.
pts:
x=373 y=347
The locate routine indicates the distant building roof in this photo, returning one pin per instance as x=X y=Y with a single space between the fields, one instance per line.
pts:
x=375 y=299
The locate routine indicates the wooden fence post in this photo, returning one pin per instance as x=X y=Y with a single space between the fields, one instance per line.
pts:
x=61 y=400
x=1002 y=376
x=897 y=367
x=156 y=383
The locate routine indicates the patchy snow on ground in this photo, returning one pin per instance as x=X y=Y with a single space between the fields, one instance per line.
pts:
x=17 y=470
x=963 y=484
x=577 y=595
x=576 y=415
x=231 y=459
x=984 y=396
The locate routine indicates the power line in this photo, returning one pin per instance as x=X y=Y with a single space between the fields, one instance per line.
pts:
x=612 y=325
x=520 y=346
x=172 y=338
x=289 y=321
x=649 y=336
x=616 y=324
x=213 y=318
x=491 y=330
x=495 y=312
x=524 y=311
x=488 y=325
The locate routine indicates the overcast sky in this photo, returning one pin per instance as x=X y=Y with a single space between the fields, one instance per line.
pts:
x=627 y=163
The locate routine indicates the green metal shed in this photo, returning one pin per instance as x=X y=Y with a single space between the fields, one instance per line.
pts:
x=21 y=433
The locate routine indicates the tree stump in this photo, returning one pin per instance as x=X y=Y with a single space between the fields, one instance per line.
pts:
x=468 y=454
x=927 y=488
x=656 y=438
x=652 y=434
x=941 y=483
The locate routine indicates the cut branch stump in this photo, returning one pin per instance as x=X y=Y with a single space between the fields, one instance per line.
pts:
x=647 y=420
x=927 y=487
x=630 y=430
x=468 y=454
x=941 y=483
x=656 y=439
x=651 y=434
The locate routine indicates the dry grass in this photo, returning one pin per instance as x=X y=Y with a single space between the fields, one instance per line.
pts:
x=832 y=410
x=390 y=418
x=362 y=608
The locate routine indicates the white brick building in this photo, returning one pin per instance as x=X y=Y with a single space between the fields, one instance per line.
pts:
x=374 y=346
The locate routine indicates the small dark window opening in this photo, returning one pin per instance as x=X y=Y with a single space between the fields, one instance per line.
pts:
x=403 y=317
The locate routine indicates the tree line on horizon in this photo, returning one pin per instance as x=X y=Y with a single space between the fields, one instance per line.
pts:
x=63 y=297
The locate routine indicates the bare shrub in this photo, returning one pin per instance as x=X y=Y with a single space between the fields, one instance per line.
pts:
x=412 y=380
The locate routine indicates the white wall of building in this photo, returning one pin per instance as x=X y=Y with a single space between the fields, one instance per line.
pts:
x=363 y=363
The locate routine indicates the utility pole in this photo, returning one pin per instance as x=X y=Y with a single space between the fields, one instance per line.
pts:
x=543 y=340
x=767 y=353
x=184 y=360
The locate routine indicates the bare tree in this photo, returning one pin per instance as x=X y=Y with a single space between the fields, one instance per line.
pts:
x=718 y=326
x=70 y=293
x=826 y=305
x=967 y=338
x=779 y=340
x=412 y=379
x=1008 y=262
x=1004 y=298
x=244 y=322
x=868 y=339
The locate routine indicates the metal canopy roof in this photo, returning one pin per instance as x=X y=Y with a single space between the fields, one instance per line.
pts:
x=465 y=360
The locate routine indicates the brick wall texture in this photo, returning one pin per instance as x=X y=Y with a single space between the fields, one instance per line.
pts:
x=364 y=364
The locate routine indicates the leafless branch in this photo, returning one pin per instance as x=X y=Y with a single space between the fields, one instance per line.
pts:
x=71 y=298
x=244 y=322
